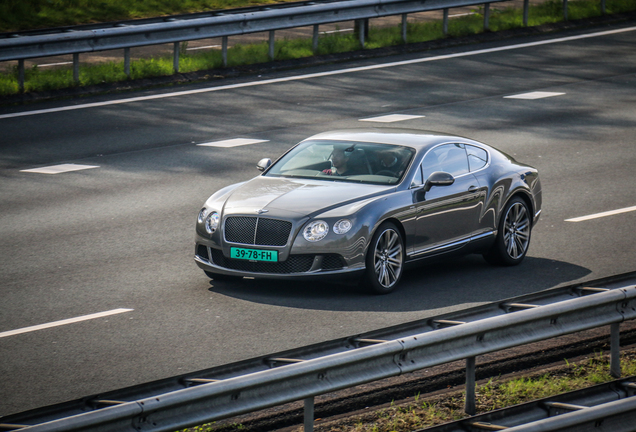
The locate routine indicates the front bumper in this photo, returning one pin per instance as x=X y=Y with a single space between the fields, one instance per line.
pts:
x=299 y=267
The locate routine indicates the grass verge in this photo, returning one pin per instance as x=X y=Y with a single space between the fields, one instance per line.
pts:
x=37 y=79
x=20 y=15
x=419 y=412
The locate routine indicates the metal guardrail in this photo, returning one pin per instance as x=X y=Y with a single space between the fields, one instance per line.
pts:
x=301 y=374
x=222 y=24
x=610 y=406
x=225 y=23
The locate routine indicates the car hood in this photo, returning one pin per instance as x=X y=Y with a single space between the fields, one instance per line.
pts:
x=303 y=197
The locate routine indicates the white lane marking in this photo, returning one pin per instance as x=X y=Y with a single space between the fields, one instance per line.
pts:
x=391 y=118
x=534 y=95
x=64 y=322
x=337 y=31
x=315 y=75
x=604 y=214
x=232 y=142
x=55 y=64
x=202 y=47
x=57 y=169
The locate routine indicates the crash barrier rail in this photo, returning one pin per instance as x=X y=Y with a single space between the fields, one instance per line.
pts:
x=301 y=374
x=609 y=407
x=177 y=29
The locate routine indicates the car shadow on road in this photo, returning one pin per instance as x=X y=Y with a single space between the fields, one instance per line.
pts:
x=463 y=281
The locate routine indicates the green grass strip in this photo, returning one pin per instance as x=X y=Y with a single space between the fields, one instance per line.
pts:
x=20 y=15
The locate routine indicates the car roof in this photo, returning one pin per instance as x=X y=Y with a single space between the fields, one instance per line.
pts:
x=407 y=137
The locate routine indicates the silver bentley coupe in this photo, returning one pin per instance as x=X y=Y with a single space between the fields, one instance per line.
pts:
x=365 y=203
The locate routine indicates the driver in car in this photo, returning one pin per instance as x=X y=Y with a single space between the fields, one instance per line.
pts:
x=339 y=160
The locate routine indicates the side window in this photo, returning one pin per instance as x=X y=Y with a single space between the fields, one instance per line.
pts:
x=429 y=164
x=477 y=157
x=417 y=179
x=450 y=158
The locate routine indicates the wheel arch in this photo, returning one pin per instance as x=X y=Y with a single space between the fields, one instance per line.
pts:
x=382 y=268
x=395 y=222
x=521 y=194
x=525 y=196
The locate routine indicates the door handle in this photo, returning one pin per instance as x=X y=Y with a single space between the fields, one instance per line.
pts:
x=473 y=189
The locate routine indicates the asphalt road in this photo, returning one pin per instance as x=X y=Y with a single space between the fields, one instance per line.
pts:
x=118 y=237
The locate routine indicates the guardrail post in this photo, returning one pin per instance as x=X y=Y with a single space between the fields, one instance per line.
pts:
x=314 y=41
x=445 y=22
x=404 y=28
x=270 y=54
x=309 y=415
x=615 y=350
x=565 y=10
x=224 y=50
x=526 y=6
x=21 y=75
x=127 y=62
x=469 y=406
x=175 y=57
x=603 y=7
x=76 y=68
x=486 y=16
x=361 y=26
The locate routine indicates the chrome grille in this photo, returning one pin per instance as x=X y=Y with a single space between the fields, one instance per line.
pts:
x=240 y=229
x=257 y=231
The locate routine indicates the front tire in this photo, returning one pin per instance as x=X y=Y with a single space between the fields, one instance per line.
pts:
x=513 y=238
x=385 y=260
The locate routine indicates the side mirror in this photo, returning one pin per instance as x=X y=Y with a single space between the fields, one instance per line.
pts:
x=263 y=164
x=438 y=178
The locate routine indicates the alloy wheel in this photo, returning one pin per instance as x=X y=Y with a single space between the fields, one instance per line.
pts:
x=516 y=231
x=388 y=258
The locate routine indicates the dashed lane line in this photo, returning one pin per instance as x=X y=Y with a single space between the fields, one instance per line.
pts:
x=534 y=95
x=64 y=322
x=57 y=169
x=391 y=118
x=232 y=142
x=603 y=214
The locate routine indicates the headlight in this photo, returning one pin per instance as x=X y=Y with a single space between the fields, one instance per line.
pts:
x=202 y=214
x=316 y=231
x=342 y=226
x=212 y=222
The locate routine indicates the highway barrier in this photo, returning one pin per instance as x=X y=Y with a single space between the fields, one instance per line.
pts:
x=177 y=29
x=301 y=374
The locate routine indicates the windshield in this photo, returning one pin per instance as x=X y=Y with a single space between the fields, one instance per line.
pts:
x=345 y=161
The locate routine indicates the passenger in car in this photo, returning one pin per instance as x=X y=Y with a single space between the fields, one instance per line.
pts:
x=391 y=162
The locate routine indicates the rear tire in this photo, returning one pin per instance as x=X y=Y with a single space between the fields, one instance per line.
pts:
x=513 y=238
x=385 y=260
